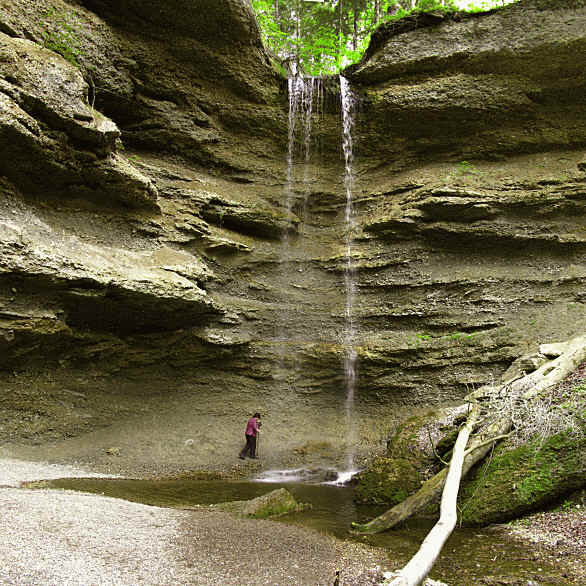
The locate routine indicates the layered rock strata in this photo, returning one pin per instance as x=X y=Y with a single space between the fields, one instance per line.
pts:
x=143 y=281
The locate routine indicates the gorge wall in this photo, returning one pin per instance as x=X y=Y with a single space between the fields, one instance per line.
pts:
x=144 y=299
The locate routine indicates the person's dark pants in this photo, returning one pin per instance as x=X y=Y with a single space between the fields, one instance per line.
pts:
x=250 y=447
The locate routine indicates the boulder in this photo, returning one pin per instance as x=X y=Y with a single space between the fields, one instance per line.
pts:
x=273 y=504
x=390 y=478
x=527 y=478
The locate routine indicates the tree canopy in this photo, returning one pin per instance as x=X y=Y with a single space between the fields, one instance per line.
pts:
x=318 y=37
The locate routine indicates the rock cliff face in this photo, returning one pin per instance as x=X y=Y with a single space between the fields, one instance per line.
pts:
x=144 y=281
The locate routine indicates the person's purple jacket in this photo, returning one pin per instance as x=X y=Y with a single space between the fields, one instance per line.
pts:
x=252 y=427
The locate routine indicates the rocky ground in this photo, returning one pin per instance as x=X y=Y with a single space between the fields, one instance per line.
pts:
x=560 y=533
x=66 y=537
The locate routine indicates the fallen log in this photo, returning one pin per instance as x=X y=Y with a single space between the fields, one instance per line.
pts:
x=421 y=563
x=431 y=490
x=531 y=385
x=553 y=372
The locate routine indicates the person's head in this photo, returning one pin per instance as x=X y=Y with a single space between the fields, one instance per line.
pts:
x=256 y=415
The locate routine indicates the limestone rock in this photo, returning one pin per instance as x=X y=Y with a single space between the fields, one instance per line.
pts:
x=492 y=215
x=504 y=91
x=489 y=42
x=456 y=209
x=66 y=139
x=244 y=218
x=468 y=245
x=273 y=504
x=107 y=277
x=221 y=21
x=207 y=33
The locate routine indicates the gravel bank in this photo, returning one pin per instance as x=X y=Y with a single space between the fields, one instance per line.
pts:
x=13 y=472
x=50 y=537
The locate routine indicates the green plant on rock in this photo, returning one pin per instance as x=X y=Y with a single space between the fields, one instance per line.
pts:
x=458 y=336
x=463 y=171
x=466 y=168
x=61 y=34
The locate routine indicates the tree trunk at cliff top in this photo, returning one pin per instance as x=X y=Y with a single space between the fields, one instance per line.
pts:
x=551 y=373
x=421 y=563
x=545 y=377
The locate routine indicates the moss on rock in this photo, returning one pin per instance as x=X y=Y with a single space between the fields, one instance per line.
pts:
x=273 y=504
x=524 y=479
x=392 y=477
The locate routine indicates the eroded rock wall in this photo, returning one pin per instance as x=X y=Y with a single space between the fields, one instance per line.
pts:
x=145 y=280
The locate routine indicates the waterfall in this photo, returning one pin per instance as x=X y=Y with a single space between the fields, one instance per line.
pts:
x=303 y=93
x=350 y=354
x=306 y=100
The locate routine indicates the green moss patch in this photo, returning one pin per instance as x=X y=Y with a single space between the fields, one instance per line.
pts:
x=273 y=504
x=391 y=478
x=518 y=481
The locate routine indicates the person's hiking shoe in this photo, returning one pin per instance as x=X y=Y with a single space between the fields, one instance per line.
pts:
x=242 y=457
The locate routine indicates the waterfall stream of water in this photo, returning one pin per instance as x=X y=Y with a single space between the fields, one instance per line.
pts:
x=350 y=354
x=305 y=96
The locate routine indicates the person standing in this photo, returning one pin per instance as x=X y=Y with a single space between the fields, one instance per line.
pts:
x=250 y=434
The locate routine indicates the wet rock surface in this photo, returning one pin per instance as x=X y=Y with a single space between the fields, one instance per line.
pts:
x=273 y=504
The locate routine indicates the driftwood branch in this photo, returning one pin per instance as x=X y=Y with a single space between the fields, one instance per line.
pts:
x=489 y=441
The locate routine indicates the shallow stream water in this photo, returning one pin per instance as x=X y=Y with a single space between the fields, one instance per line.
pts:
x=470 y=556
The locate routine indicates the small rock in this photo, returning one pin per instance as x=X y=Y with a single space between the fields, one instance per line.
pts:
x=552 y=350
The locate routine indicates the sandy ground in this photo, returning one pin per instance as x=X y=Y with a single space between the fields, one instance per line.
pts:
x=50 y=537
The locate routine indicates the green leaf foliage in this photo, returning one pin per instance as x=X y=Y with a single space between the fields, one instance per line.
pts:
x=320 y=37
x=61 y=34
